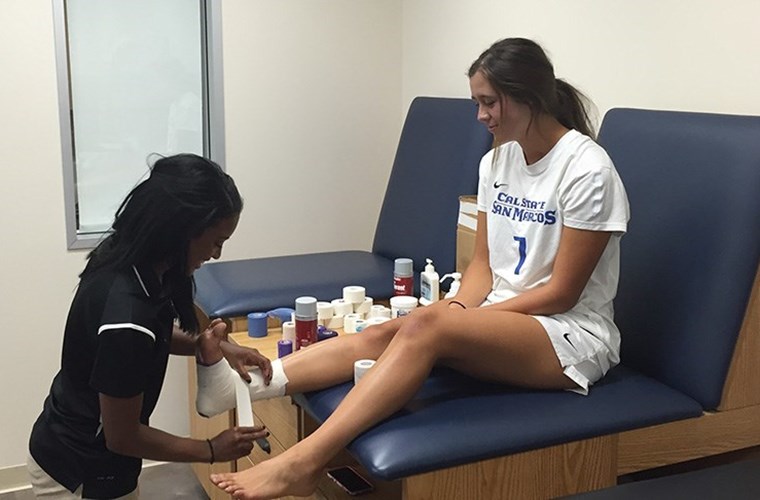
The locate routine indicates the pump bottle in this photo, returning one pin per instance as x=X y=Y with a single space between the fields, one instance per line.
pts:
x=454 y=287
x=429 y=284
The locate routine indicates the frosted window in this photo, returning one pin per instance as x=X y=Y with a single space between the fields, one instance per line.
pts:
x=136 y=73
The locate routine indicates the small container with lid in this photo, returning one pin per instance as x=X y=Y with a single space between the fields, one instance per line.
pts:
x=403 y=277
x=401 y=305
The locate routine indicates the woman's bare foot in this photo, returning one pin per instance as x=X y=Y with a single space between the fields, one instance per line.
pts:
x=207 y=350
x=282 y=475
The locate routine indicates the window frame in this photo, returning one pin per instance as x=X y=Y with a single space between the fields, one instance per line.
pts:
x=213 y=111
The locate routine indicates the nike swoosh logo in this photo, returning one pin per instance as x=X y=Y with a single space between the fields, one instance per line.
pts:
x=567 y=337
x=496 y=185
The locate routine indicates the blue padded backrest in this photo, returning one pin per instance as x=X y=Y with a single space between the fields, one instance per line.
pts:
x=693 y=244
x=436 y=161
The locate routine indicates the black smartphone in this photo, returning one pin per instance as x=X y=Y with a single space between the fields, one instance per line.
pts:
x=349 y=480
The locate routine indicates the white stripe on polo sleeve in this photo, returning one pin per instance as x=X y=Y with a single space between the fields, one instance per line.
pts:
x=128 y=326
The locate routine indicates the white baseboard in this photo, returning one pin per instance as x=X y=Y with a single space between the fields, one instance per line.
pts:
x=16 y=478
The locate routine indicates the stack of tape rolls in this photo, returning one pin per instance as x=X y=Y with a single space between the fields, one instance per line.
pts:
x=342 y=312
x=361 y=367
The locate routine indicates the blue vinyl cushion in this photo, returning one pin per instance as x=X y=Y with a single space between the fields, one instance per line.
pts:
x=455 y=420
x=235 y=288
x=436 y=161
x=693 y=244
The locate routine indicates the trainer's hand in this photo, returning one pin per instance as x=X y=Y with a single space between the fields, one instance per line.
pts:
x=241 y=358
x=236 y=442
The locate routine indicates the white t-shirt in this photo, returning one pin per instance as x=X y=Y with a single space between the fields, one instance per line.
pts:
x=574 y=185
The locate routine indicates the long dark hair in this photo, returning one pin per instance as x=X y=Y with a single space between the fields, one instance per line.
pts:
x=519 y=68
x=184 y=195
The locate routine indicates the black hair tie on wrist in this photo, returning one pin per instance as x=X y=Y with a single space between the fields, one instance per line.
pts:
x=457 y=303
x=211 y=449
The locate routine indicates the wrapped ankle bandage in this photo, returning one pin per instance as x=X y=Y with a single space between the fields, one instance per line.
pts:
x=216 y=386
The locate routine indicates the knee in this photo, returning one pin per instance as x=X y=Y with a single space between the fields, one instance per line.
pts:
x=423 y=326
x=376 y=336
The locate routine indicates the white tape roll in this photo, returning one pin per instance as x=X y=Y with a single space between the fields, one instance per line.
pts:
x=335 y=322
x=289 y=331
x=361 y=367
x=342 y=307
x=364 y=307
x=353 y=294
x=243 y=403
x=361 y=324
x=379 y=311
x=377 y=320
x=349 y=322
x=325 y=310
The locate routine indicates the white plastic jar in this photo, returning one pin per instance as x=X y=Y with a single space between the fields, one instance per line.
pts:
x=401 y=305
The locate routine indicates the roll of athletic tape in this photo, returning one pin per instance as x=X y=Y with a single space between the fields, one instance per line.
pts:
x=361 y=367
x=364 y=306
x=349 y=322
x=335 y=322
x=289 y=331
x=353 y=294
x=342 y=307
x=257 y=324
x=361 y=324
x=377 y=320
x=379 y=311
x=325 y=310
x=284 y=347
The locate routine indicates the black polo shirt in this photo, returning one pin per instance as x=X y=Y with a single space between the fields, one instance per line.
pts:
x=116 y=342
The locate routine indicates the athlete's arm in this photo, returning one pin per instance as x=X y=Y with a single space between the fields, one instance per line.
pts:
x=578 y=254
x=477 y=279
x=125 y=435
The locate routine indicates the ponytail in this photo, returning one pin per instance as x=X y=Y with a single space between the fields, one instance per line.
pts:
x=572 y=108
x=519 y=68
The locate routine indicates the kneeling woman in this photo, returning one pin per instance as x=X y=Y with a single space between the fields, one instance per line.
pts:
x=93 y=431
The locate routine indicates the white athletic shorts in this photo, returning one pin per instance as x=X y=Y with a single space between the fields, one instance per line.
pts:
x=585 y=358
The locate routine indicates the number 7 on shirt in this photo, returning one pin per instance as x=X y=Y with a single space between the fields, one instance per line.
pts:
x=523 y=248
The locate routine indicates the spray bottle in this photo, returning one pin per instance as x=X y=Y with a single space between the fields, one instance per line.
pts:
x=454 y=288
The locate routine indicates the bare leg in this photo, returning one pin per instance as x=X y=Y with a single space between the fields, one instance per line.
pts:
x=332 y=362
x=502 y=346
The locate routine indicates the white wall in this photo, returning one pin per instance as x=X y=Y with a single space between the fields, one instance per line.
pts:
x=315 y=95
x=700 y=55
x=312 y=120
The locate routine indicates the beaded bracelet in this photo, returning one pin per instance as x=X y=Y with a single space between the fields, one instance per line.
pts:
x=211 y=448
